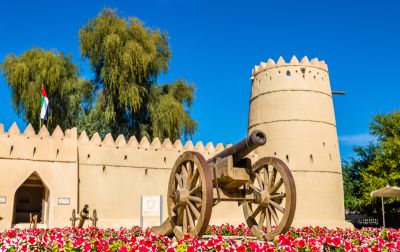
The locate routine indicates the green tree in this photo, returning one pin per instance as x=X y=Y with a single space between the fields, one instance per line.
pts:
x=69 y=96
x=375 y=166
x=352 y=177
x=126 y=58
x=384 y=169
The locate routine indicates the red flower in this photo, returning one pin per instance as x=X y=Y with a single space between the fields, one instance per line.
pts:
x=31 y=240
x=87 y=246
x=336 y=241
x=241 y=248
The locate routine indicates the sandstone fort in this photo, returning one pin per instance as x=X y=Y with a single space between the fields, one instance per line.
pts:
x=52 y=173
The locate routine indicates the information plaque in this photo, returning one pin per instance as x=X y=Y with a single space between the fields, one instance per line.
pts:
x=63 y=201
x=150 y=206
x=2 y=199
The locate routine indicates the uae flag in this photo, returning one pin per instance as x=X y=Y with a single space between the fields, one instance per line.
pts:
x=44 y=113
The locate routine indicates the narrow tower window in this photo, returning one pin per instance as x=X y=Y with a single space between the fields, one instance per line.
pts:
x=288 y=73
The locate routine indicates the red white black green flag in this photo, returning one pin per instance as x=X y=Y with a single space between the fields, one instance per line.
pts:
x=44 y=113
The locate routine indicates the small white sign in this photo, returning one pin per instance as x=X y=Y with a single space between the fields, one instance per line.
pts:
x=63 y=201
x=2 y=199
x=151 y=205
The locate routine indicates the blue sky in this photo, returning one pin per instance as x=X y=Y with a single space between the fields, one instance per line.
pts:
x=215 y=44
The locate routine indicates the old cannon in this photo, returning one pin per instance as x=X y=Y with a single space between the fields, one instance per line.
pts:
x=83 y=216
x=266 y=190
x=33 y=220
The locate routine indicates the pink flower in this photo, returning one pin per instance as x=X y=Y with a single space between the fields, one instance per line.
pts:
x=87 y=246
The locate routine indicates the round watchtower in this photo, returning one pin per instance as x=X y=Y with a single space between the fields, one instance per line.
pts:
x=292 y=103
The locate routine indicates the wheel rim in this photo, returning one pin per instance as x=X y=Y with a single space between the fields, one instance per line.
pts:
x=190 y=194
x=94 y=218
x=73 y=218
x=272 y=210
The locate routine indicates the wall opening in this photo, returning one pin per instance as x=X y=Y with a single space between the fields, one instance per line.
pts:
x=288 y=73
x=31 y=197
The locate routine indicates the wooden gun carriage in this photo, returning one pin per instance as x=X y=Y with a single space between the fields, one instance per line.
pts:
x=265 y=189
x=83 y=216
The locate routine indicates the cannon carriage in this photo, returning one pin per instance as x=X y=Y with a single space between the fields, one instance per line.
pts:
x=84 y=216
x=265 y=189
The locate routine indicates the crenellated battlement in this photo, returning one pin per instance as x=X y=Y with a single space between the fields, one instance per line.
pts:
x=305 y=62
x=145 y=144
x=69 y=147
x=43 y=146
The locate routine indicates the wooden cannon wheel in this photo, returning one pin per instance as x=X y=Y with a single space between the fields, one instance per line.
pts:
x=73 y=218
x=190 y=195
x=272 y=210
x=94 y=218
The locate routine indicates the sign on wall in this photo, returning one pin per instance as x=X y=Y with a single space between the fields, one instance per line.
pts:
x=150 y=206
x=63 y=201
x=2 y=199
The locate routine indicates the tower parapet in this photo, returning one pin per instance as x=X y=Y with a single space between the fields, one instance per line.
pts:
x=292 y=103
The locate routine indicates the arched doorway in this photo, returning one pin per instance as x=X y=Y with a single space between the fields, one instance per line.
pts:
x=31 y=198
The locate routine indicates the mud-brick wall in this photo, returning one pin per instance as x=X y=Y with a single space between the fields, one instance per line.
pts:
x=49 y=159
x=114 y=175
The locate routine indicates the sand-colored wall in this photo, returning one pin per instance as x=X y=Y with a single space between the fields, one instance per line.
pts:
x=292 y=103
x=24 y=154
x=114 y=176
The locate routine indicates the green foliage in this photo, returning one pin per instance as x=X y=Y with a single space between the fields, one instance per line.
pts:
x=126 y=58
x=352 y=177
x=377 y=165
x=68 y=95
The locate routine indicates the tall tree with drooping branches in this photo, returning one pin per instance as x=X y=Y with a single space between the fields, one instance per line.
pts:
x=126 y=58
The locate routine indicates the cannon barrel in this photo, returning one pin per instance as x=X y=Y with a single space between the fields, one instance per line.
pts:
x=243 y=148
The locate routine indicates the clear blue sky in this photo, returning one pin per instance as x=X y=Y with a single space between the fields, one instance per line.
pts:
x=215 y=44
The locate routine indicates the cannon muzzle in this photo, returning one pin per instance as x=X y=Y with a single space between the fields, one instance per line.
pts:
x=243 y=148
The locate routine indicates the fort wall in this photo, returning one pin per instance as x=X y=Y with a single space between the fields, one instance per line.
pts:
x=110 y=176
x=52 y=158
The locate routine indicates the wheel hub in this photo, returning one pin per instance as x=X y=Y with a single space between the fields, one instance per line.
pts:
x=181 y=196
x=262 y=198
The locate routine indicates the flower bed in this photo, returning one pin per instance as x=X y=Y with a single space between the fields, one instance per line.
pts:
x=136 y=239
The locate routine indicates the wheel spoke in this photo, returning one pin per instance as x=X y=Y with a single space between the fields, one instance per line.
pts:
x=262 y=218
x=260 y=182
x=180 y=216
x=277 y=206
x=271 y=181
x=189 y=173
x=194 y=210
x=191 y=223
x=266 y=176
x=268 y=217
x=195 y=190
x=179 y=180
x=277 y=186
x=194 y=179
x=185 y=224
x=184 y=176
x=255 y=213
x=253 y=187
x=274 y=216
x=278 y=196
x=195 y=199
